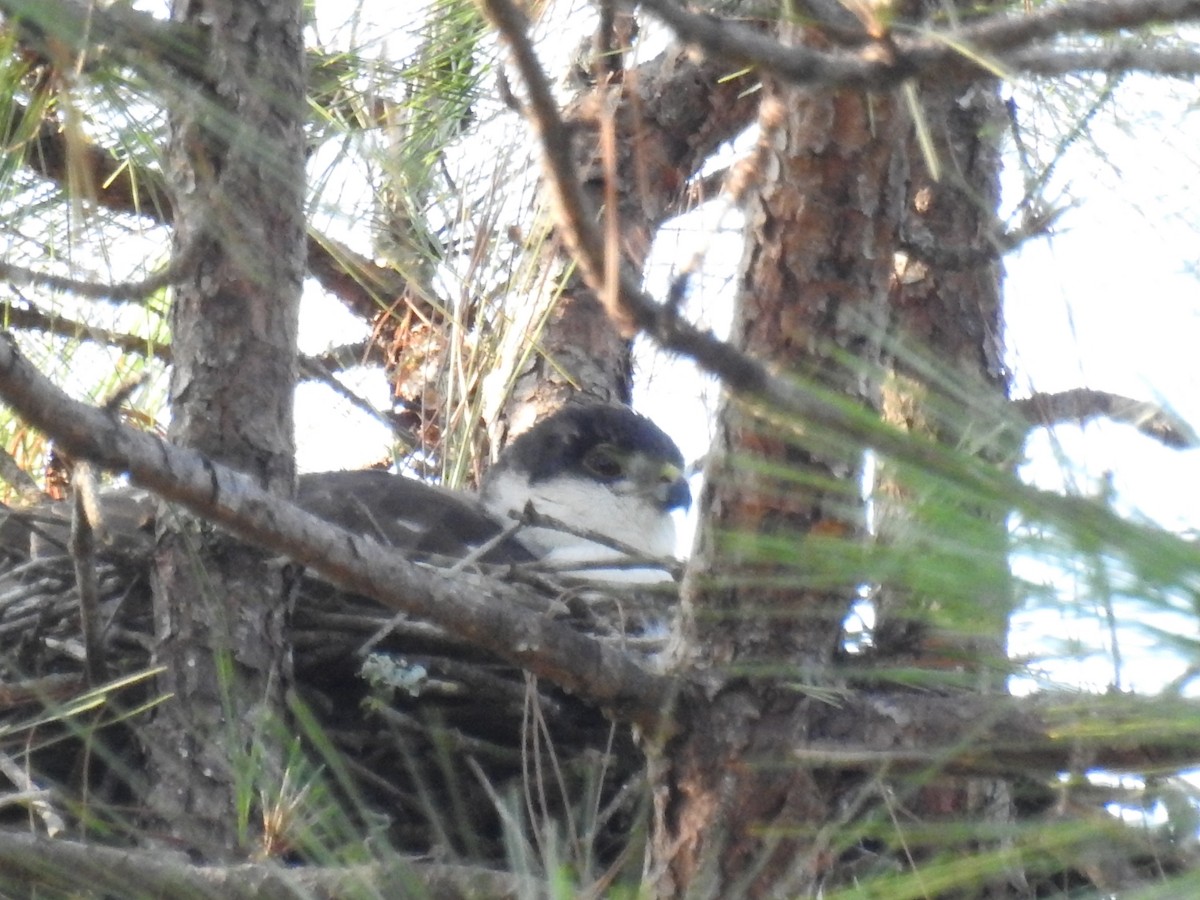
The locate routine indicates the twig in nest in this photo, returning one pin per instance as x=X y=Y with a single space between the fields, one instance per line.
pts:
x=86 y=528
x=36 y=798
x=636 y=558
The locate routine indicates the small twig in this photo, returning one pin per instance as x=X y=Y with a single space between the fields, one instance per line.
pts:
x=36 y=798
x=634 y=557
x=459 y=565
x=486 y=547
x=112 y=403
x=1082 y=404
x=86 y=528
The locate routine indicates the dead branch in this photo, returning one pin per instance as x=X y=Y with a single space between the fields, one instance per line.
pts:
x=61 y=865
x=87 y=527
x=30 y=318
x=320 y=367
x=1005 y=37
x=1081 y=405
x=490 y=615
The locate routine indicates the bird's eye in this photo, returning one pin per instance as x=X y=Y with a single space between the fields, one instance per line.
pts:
x=604 y=462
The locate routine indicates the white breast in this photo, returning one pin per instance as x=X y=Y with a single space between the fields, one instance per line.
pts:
x=626 y=517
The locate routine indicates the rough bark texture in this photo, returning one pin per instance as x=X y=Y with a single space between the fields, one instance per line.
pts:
x=823 y=217
x=822 y=223
x=948 y=380
x=237 y=172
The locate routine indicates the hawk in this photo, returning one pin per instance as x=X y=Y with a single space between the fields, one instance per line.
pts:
x=589 y=484
x=594 y=484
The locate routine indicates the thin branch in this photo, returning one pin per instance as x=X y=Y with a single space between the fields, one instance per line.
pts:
x=315 y=369
x=346 y=356
x=86 y=527
x=30 y=318
x=990 y=735
x=321 y=367
x=583 y=235
x=68 y=865
x=486 y=613
x=121 y=291
x=364 y=286
x=904 y=56
x=123 y=186
x=1046 y=61
x=1007 y=31
x=1083 y=404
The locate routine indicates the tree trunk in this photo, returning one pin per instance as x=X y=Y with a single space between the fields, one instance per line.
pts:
x=948 y=382
x=735 y=816
x=833 y=289
x=236 y=166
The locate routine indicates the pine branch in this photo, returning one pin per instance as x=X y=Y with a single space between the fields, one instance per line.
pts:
x=1174 y=62
x=114 y=292
x=988 y=735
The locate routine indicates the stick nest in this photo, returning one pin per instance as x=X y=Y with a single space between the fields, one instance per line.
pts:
x=439 y=745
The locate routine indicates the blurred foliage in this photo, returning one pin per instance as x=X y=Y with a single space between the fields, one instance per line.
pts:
x=417 y=161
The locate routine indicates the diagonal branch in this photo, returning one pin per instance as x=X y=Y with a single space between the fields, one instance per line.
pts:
x=487 y=613
x=1081 y=404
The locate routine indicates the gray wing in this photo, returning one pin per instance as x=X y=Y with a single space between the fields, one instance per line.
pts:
x=418 y=519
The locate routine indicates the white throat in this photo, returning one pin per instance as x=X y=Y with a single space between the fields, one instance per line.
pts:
x=624 y=516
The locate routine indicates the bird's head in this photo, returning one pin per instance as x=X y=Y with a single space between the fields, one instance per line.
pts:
x=599 y=469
